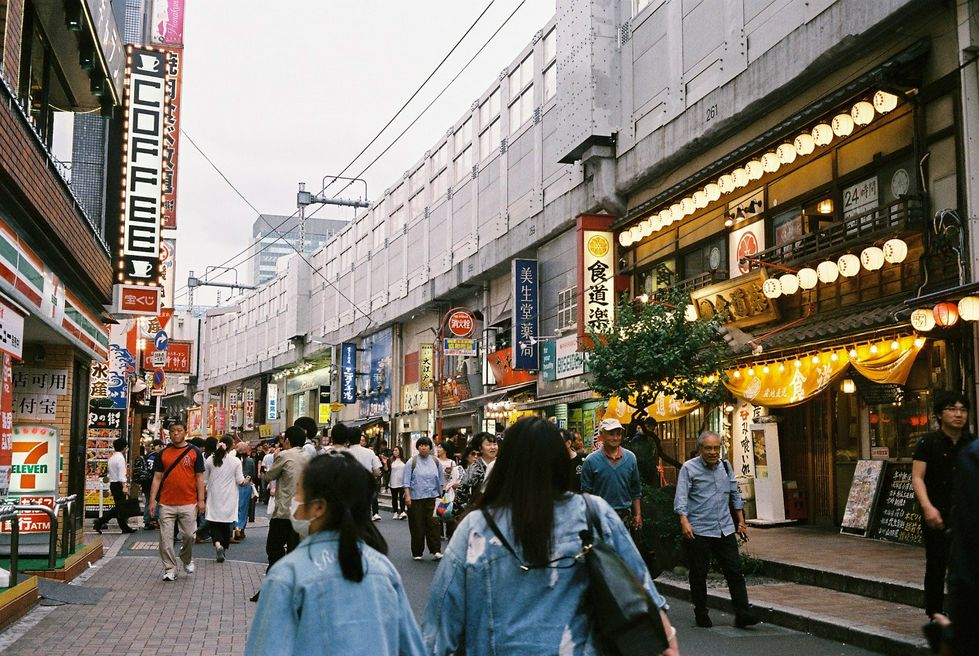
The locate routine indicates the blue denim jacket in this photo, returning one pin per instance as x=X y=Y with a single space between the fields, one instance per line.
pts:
x=480 y=598
x=307 y=607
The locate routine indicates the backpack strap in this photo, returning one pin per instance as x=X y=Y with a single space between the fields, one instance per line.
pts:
x=175 y=462
x=499 y=536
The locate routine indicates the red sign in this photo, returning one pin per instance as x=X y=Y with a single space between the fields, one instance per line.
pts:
x=501 y=364
x=34 y=521
x=6 y=423
x=461 y=323
x=137 y=299
x=178 y=358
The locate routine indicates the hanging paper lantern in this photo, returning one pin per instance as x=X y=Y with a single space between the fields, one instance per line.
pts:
x=822 y=134
x=808 y=278
x=690 y=312
x=676 y=209
x=625 y=238
x=771 y=288
x=842 y=125
x=872 y=258
x=828 y=272
x=769 y=162
x=786 y=153
x=946 y=314
x=789 y=282
x=740 y=178
x=688 y=205
x=884 y=102
x=969 y=308
x=666 y=217
x=713 y=191
x=895 y=251
x=700 y=199
x=655 y=225
x=922 y=320
x=646 y=228
x=726 y=183
x=754 y=169
x=849 y=265
x=636 y=233
x=804 y=144
x=862 y=113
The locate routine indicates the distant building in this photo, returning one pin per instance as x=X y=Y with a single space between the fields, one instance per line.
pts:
x=271 y=241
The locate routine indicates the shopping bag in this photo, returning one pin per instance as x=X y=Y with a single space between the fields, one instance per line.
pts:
x=443 y=507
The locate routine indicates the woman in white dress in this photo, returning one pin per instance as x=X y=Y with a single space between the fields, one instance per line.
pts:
x=222 y=476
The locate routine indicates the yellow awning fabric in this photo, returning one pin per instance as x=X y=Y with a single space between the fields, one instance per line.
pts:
x=666 y=408
x=888 y=364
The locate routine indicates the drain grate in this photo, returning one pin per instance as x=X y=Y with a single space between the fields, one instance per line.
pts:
x=144 y=546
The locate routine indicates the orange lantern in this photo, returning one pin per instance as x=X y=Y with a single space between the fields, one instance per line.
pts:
x=946 y=314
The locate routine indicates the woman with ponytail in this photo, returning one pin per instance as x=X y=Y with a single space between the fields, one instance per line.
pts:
x=336 y=592
x=223 y=477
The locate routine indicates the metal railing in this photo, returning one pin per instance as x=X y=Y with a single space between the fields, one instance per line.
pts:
x=68 y=525
x=11 y=513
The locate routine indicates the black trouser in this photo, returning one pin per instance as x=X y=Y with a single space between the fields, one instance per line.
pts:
x=424 y=527
x=725 y=550
x=936 y=564
x=375 y=505
x=251 y=510
x=220 y=532
x=281 y=539
x=118 y=496
x=398 y=499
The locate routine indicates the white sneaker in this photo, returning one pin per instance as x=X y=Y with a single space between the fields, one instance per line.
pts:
x=189 y=567
x=376 y=517
x=170 y=576
x=396 y=516
x=404 y=515
x=219 y=553
x=416 y=557
x=437 y=555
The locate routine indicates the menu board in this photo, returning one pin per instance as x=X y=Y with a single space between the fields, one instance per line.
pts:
x=863 y=493
x=898 y=515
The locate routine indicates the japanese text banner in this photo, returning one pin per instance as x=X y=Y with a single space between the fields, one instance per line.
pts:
x=788 y=383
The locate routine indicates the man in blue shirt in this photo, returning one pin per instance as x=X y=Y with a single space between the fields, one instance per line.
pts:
x=613 y=474
x=706 y=497
x=423 y=481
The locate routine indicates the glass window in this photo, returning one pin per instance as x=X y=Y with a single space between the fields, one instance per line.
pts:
x=550 y=82
x=495 y=103
x=417 y=179
x=550 y=45
x=527 y=71
x=380 y=235
x=567 y=308
x=416 y=206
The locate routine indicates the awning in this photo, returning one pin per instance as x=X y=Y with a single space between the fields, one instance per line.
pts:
x=496 y=395
x=358 y=423
x=569 y=397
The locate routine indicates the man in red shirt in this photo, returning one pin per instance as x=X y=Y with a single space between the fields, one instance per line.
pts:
x=178 y=486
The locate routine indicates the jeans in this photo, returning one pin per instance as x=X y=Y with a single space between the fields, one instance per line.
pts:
x=936 y=564
x=424 y=527
x=281 y=539
x=244 y=501
x=185 y=517
x=146 y=508
x=398 y=499
x=725 y=550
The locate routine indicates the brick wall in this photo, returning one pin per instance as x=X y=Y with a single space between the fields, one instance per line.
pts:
x=11 y=28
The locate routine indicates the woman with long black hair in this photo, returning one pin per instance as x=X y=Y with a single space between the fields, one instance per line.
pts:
x=486 y=600
x=336 y=593
x=222 y=477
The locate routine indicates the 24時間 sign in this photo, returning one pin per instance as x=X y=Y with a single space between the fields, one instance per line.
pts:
x=526 y=321
x=142 y=174
x=348 y=373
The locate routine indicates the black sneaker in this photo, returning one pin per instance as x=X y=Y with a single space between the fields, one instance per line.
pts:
x=745 y=619
x=254 y=597
x=703 y=620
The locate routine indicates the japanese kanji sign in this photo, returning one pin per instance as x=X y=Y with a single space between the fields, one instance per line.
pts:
x=596 y=276
x=178 y=357
x=525 y=299
x=426 y=366
x=348 y=373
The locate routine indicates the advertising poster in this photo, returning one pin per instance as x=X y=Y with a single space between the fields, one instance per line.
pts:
x=167 y=22
x=171 y=140
x=105 y=423
x=378 y=401
x=168 y=273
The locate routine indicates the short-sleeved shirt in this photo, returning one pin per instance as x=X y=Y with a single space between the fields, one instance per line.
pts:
x=180 y=486
x=937 y=450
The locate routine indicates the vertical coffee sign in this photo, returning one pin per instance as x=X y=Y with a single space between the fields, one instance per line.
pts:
x=526 y=320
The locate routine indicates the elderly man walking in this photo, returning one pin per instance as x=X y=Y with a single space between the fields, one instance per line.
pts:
x=613 y=474
x=709 y=503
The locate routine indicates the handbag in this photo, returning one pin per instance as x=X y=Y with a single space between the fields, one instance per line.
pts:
x=129 y=508
x=443 y=506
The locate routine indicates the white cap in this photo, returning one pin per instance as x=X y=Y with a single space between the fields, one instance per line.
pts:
x=610 y=425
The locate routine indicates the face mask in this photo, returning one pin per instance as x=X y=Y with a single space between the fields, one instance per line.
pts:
x=300 y=526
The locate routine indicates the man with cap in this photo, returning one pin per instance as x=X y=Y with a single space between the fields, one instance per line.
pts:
x=613 y=474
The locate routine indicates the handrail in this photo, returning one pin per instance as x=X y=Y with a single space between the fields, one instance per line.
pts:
x=68 y=526
x=7 y=513
x=52 y=531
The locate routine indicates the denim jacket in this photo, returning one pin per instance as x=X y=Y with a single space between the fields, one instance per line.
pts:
x=482 y=600
x=307 y=607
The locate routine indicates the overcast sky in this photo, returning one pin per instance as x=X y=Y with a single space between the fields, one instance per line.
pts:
x=281 y=92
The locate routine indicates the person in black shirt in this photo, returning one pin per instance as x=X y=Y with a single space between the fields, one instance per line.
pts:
x=576 y=460
x=932 y=476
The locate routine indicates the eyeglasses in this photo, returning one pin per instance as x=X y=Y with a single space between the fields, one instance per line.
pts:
x=956 y=409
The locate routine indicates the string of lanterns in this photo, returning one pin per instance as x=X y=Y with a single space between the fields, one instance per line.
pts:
x=854 y=351
x=945 y=314
x=872 y=258
x=842 y=125
x=303 y=368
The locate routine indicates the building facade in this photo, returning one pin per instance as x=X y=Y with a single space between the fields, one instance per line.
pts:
x=275 y=237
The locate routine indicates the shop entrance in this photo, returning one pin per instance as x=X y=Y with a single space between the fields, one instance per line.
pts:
x=807 y=457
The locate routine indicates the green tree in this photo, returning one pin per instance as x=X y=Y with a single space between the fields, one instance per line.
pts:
x=652 y=350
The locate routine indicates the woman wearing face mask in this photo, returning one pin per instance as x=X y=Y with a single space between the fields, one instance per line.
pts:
x=326 y=596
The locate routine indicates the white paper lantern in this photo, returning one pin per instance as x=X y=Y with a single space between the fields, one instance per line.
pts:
x=754 y=169
x=636 y=233
x=808 y=278
x=923 y=320
x=872 y=258
x=884 y=102
x=862 y=113
x=786 y=153
x=740 y=178
x=770 y=163
x=700 y=199
x=849 y=265
x=625 y=238
x=828 y=272
x=969 y=308
x=842 y=125
x=646 y=228
x=688 y=205
x=655 y=223
x=789 y=282
x=666 y=217
x=895 y=251
x=713 y=191
x=690 y=312
x=726 y=183
x=676 y=210
x=804 y=144
x=822 y=134
x=771 y=288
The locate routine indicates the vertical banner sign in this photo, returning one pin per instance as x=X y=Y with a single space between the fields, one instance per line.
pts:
x=426 y=366
x=142 y=167
x=596 y=312
x=167 y=22
x=379 y=395
x=235 y=423
x=11 y=331
x=526 y=320
x=348 y=373
x=171 y=138
x=6 y=423
x=249 y=409
x=168 y=271
x=271 y=402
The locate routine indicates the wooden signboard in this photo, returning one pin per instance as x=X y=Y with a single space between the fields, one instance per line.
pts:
x=898 y=516
x=863 y=493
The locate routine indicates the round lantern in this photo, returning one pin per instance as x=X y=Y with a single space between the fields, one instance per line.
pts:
x=946 y=314
x=666 y=217
x=646 y=228
x=754 y=169
x=804 y=144
x=676 y=209
x=872 y=258
x=822 y=134
x=700 y=199
x=862 y=113
x=842 y=125
x=808 y=278
x=771 y=288
x=828 y=272
x=726 y=183
x=636 y=233
x=969 y=308
x=625 y=238
x=713 y=191
x=849 y=265
x=740 y=178
x=884 y=102
x=769 y=162
x=688 y=205
x=895 y=251
x=922 y=320
x=786 y=153
x=655 y=224
x=789 y=283
x=690 y=312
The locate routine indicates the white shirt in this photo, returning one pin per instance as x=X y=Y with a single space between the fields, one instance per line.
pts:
x=456 y=474
x=267 y=461
x=222 y=488
x=117 y=468
x=397 y=473
x=367 y=458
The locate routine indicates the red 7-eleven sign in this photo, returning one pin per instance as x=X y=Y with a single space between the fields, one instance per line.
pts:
x=34 y=467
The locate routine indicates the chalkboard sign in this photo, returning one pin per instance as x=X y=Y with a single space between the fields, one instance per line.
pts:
x=898 y=515
x=863 y=492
